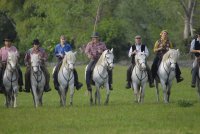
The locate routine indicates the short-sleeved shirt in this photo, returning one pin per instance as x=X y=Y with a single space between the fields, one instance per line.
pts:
x=95 y=50
x=59 y=49
x=43 y=55
x=4 y=52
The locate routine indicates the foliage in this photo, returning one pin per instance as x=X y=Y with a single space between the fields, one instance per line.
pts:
x=118 y=21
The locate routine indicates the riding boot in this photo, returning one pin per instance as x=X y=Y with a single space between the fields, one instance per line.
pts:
x=128 y=76
x=76 y=82
x=110 y=79
x=55 y=75
x=88 y=79
x=47 y=78
x=20 y=79
x=154 y=67
x=178 y=74
x=27 y=79
x=194 y=75
x=151 y=82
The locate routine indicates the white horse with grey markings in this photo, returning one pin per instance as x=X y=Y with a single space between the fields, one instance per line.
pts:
x=10 y=79
x=100 y=75
x=66 y=77
x=166 y=73
x=139 y=76
x=37 y=80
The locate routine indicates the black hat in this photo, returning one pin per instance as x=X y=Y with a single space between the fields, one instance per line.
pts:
x=8 y=38
x=36 y=42
x=95 y=35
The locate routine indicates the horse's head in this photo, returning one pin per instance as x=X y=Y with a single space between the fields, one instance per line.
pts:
x=12 y=59
x=35 y=62
x=140 y=60
x=172 y=56
x=70 y=59
x=109 y=57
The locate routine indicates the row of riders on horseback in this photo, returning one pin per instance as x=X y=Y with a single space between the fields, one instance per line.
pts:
x=93 y=50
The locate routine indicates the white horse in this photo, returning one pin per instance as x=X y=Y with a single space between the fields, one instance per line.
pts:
x=10 y=79
x=38 y=80
x=100 y=75
x=166 y=73
x=139 y=76
x=66 y=77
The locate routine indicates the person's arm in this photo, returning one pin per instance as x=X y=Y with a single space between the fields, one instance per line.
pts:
x=156 y=48
x=87 y=51
x=146 y=51
x=192 y=49
x=27 y=58
x=130 y=53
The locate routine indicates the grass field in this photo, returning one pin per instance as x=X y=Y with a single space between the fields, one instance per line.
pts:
x=122 y=115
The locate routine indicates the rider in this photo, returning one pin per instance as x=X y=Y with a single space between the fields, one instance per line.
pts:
x=60 y=50
x=137 y=47
x=93 y=50
x=195 y=48
x=161 y=47
x=36 y=49
x=3 y=60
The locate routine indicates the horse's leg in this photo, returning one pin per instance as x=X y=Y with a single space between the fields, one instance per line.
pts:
x=14 y=95
x=95 y=97
x=198 y=87
x=169 y=90
x=91 y=99
x=7 y=100
x=107 y=93
x=157 y=91
x=35 y=96
x=98 y=94
x=63 y=96
x=40 y=94
x=142 y=92
x=164 y=91
x=135 y=91
x=71 y=93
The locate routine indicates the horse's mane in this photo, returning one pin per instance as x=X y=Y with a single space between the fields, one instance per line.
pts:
x=69 y=56
x=102 y=57
x=173 y=52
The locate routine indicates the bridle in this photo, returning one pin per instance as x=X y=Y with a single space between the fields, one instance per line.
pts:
x=139 y=66
x=69 y=70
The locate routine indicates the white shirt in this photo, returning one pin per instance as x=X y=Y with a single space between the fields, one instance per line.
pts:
x=138 y=49
x=193 y=44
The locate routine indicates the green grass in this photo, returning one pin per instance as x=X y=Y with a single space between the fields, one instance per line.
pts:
x=122 y=115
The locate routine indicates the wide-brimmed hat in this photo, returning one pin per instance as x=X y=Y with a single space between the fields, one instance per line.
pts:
x=95 y=35
x=8 y=38
x=36 y=42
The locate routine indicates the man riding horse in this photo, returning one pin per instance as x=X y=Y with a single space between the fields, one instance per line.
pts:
x=60 y=50
x=137 y=47
x=161 y=47
x=3 y=60
x=93 y=50
x=195 y=48
x=36 y=49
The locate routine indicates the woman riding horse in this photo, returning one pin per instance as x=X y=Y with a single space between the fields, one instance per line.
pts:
x=161 y=47
x=3 y=60
x=36 y=49
x=93 y=50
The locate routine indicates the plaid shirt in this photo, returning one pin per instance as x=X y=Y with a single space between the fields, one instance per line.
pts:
x=40 y=51
x=4 y=52
x=94 y=51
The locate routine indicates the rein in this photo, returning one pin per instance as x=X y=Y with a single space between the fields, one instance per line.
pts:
x=37 y=75
x=69 y=70
x=143 y=71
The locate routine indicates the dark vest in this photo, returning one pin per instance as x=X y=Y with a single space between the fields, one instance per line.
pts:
x=134 y=48
x=197 y=47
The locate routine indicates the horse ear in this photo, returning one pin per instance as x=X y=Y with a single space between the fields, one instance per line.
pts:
x=177 y=50
x=111 y=50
